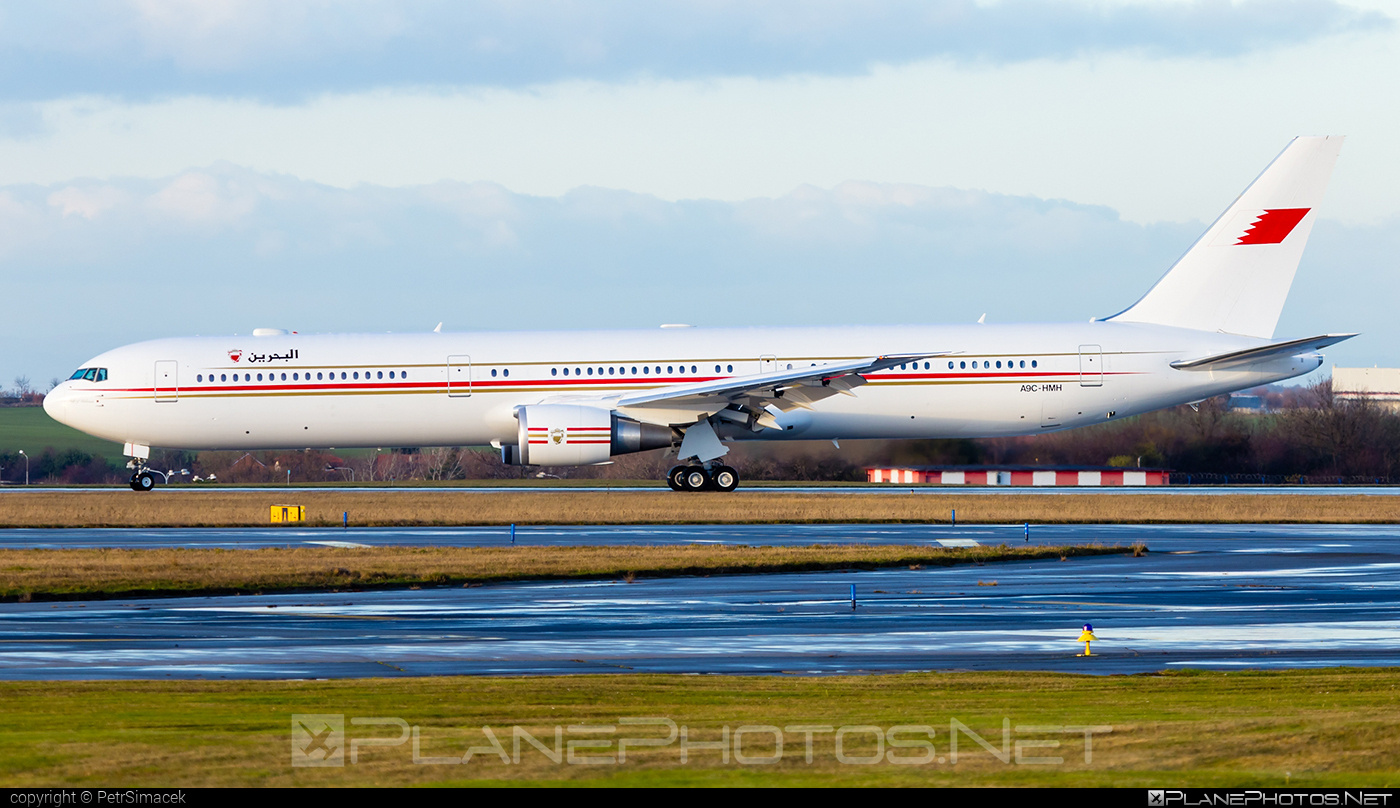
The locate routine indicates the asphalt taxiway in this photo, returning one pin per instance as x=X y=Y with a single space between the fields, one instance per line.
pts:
x=1206 y=596
x=547 y=535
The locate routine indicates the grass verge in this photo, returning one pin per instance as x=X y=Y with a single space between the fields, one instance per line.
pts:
x=213 y=508
x=27 y=575
x=1335 y=727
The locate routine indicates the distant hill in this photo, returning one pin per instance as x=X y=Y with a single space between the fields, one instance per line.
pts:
x=31 y=429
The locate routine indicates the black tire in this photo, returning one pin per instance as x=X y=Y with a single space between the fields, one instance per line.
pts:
x=695 y=478
x=725 y=479
x=145 y=481
x=673 y=478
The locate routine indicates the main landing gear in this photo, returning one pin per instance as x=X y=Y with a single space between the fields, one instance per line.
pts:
x=700 y=478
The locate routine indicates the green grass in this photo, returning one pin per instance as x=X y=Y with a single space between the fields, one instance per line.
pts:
x=101 y=573
x=1305 y=728
x=31 y=429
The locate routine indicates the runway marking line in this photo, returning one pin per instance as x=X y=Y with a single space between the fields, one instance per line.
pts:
x=1090 y=603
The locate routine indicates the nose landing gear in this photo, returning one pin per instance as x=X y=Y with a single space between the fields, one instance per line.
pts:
x=142 y=478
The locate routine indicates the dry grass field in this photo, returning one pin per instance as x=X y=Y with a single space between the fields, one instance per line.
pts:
x=1181 y=729
x=214 y=508
x=49 y=574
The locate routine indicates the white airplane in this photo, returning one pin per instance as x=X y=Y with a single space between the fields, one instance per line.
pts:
x=581 y=398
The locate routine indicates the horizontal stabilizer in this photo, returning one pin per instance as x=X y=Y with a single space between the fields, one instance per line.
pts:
x=1263 y=353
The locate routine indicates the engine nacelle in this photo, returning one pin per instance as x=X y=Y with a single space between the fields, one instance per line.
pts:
x=578 y=435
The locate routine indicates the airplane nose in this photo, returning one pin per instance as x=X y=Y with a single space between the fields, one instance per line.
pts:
x=56 y=403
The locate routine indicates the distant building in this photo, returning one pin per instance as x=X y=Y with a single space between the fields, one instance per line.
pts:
x=1380 y=385
x=1241 y=402
x=1018 y=475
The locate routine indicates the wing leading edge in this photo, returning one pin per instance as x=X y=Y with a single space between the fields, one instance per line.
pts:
x=752 y=398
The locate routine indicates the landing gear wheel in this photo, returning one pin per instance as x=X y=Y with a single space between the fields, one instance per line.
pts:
x=694 y=478
x=675 y=478
x=144 y=481
x=724 y=479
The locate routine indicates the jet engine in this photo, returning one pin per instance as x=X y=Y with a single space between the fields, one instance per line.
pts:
x=577 y=435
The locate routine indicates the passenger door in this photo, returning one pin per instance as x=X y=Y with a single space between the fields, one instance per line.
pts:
x=1090 y=366
x=167 y=386
x=459 y=376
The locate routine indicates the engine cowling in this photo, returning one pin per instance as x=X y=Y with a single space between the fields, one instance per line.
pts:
x=578 y=435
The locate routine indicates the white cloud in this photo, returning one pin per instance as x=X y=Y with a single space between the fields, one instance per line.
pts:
x=200 y=197
x=86 y=202
x=1154 y=140
x=374 y=259
x=292 y=50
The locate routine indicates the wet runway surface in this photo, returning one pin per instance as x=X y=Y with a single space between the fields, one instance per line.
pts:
x=1206 y=596
x=498 y=536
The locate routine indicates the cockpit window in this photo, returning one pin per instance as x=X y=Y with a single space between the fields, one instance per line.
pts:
x=90 y=374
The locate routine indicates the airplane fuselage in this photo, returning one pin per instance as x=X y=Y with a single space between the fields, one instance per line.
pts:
x=293 y=391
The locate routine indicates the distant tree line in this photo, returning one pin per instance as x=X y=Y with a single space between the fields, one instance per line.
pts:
x=23 y=394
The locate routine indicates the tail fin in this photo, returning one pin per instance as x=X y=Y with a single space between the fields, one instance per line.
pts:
x=1235 y=278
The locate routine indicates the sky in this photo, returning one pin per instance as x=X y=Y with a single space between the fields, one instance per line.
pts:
x=211 y=166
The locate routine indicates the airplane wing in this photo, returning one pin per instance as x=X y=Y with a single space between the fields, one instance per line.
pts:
x=749 y=398
x=1263 y=353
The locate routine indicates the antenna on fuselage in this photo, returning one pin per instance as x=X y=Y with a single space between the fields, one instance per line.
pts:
x=438 y=330
x=983 y=319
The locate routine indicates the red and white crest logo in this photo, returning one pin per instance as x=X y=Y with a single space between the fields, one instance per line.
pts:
x=235 y=354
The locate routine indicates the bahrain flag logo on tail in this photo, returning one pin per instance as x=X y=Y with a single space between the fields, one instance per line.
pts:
x=1271 y=226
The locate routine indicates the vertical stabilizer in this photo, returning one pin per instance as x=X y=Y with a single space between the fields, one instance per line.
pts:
x=1235 y=278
